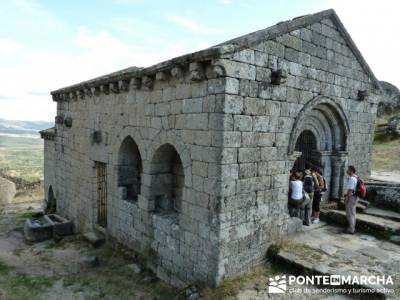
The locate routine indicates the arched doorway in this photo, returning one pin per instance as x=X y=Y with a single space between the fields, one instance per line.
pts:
x=51 y=206
x=129 y=169
x=319 y=138
x=306 y=144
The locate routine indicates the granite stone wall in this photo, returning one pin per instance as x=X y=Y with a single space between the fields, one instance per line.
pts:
x=262 y=122
x=198 y=149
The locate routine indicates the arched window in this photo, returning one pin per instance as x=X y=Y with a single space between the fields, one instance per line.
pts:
x=168 y=179
x=129 y=169
x=51 y=206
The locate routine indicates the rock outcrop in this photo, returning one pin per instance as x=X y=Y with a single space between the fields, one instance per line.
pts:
x=391 y=99
x=7 y=191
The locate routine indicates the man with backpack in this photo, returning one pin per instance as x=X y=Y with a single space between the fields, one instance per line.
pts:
x=308 y=186
x=319 y=189
x=355 y=188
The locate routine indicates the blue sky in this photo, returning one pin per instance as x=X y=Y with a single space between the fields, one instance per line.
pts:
x=45 y=45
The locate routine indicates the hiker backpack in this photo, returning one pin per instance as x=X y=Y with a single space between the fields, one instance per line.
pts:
x=361 y=189
x=308 y=184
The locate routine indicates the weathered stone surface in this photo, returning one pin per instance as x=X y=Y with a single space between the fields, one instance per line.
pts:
x=195 y=153
x=94 y=239
x=7 y=191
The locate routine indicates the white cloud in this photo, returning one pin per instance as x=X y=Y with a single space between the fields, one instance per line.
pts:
x=192 y=26
x=8 y=47
x=374 y=25
x=26 y=84
x=225 y=2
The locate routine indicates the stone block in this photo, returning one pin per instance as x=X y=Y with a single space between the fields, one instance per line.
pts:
x=249 y=155
x=247 y=170
x=253 y=106
x=194 y=105
x=261 y=59
x=248 y=88
x=242 y=123
x=239 y=70
x=246 y=56
x=231 y=85
x=233 y=104
x=196 y=121
x=261 y=123
x=274 y=48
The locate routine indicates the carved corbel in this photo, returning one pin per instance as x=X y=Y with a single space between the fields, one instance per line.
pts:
x=59 y=119
x=105 y=88
x=278 y=77
x=362 y=95
x=95 y=90
x=88 y=92
x=147 y=82
x=178 y=72
x=124 y=85
x=73 y=96
x=68 y=122
x=215 y=71
x=81 y=94
x=136 y=83
x=162 y=76
x=196 y=71
x=114 y=87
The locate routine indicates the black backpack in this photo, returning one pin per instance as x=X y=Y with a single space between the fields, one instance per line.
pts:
x=308 y=184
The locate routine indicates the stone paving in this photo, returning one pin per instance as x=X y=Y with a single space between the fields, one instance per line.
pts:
x=326 y=250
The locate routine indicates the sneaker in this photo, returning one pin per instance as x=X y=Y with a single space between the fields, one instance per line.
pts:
x=316 y=221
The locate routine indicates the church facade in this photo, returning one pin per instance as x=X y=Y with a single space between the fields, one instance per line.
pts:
x=187 y=161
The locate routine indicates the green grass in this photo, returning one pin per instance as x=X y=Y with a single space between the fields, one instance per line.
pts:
x=16 y=286
x=386 y=148
x=231 y=287
x=22 y=157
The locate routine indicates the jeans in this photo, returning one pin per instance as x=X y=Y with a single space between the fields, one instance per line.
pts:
x=351 y=203
x=301 y=209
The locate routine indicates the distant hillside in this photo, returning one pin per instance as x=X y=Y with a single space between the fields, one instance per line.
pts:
x=23 y=127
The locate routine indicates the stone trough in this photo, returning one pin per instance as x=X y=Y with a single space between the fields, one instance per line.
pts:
x=37 y=230
x=61 y=226
x=46 y=227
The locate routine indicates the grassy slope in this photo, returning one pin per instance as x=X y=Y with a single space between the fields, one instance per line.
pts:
x=22 y=157
x=386 y=149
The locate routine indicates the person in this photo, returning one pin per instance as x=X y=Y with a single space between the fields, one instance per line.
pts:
x=309 y=183
x=351 y=199
x=299 y=202
x=319 y=187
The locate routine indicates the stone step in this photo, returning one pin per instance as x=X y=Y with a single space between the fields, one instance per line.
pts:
x=326 y=251
x=95 y=239
x=359 y=207
x=383 y=213
x=382 y=227
x=366 y=203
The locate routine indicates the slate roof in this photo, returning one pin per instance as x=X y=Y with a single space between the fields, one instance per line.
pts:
x=233 y=45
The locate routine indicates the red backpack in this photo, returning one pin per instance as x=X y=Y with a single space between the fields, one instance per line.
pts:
x=361 y=189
